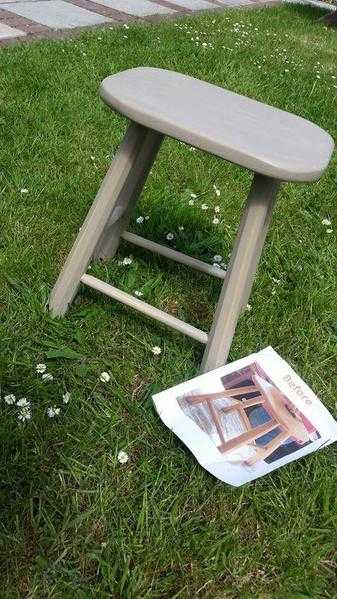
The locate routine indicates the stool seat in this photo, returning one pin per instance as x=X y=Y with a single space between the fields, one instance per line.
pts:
x=259 y=137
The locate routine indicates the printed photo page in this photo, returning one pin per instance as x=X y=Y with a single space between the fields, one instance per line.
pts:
x=247 y=418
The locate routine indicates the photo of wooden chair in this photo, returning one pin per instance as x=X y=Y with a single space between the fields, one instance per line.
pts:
x=283 y=420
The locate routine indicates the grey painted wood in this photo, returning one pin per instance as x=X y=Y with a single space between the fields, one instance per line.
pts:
x=128 y=196
x=243 y=264
x=144 y=308
x=274 y=144
x=174 y=255
x=261 y=138
x=91 y=232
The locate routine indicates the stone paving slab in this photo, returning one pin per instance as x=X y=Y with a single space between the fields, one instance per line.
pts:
x=232 y=3
x=21 y=23
x=238 y=3
x=12 y=1
x=138 y=8
x=194 y=4
x=9 y=32
x=31 y=19
x=55 y=14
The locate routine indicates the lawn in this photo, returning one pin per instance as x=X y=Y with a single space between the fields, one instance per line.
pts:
x=75 y=522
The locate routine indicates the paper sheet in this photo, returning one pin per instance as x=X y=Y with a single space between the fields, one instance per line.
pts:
x=247 y=418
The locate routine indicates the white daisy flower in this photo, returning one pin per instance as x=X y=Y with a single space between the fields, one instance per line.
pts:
x=215 y=221
x=127 y=261
x=191 y=203
x=24 y=414
x=10 y=399
x=181 y=228
x=169 y=236
x=122 y=457
x=217 y=258
x=326 y=222
x=23 y=190
x=140 y=220
x=53 y=411
x=193 y=195
x=156 y=350
x=204 y=207
x=329 y=230
x=41 y=368
x=66 y=397
x=23 y=403
x=216 y=208
x=248 y=307
x=104 y=377
x=138 y=293
x=47 y=377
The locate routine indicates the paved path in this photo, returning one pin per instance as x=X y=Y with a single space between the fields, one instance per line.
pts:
x=28 y=19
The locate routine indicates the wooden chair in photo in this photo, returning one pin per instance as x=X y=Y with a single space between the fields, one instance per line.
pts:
x=282 y=419
x=275 y=145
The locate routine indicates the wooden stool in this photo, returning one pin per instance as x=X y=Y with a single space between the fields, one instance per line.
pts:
x=275 y=145
x=283 y=420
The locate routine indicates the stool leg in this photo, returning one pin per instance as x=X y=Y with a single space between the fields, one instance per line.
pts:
x=243 y=264
x=119 y=219
x=126 y=174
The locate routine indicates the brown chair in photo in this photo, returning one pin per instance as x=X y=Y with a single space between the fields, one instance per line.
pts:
x=282 y=419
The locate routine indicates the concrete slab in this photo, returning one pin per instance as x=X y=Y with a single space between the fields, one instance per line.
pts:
x=137 y=8
x=194 y=4
x=239 y=2
x=11 y=1
x=7 y=32
x=55 y=14
x=233 y=3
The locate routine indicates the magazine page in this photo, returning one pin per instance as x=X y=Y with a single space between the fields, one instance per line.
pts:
x=247 y=418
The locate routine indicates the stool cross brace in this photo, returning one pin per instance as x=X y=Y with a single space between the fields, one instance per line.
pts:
x=106 y=224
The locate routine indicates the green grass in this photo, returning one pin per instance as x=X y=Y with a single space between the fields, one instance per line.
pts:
x=75 y=522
